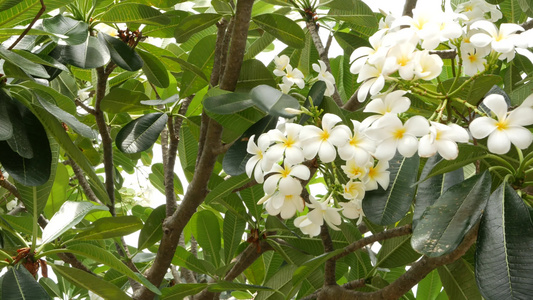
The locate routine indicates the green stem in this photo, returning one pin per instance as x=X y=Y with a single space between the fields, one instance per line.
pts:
x=51 y=252
x=494 y=168
x=7 y=256
x=503 y=161
x=468 y=105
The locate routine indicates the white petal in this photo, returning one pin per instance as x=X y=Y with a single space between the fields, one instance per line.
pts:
x=417 y=125
x=408 y=145
x=521 y=116
x=519 y=136
x=386 y=149
x=426 y=147
x=487 y=26
x=378 y=85
x=329 y=120
x=250 y=164
x=301 y=172
x=482 y=126
x=497 y=104
x=315 y=216
x=327 y=152
x=480 y=40
x=498 y=142
x=271 y=184
x=448 y=149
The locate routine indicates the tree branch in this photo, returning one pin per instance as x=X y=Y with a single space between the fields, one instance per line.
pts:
x=408 y=7
x=311 y=26
x=10 y=187
x=329 y=268
x=197 y=189
x=85 y=186
x=37 y=16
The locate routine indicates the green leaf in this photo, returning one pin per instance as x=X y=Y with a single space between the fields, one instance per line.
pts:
x=311 y=266
x=429 y=287
x=166 y=31
x=140 y=134
x=388 y=206
x=281 y=283
x=358 y=13
x=504 y=268
x=182 y=290
x=25 y=64
x=134 y=13
x=444 y=224
x=26 y=10
x=34 y=171
x=202 y=56
x=157 y=178
x=41 y=59
x=254 y=73
x=234 y=162
x=18 y=139
x=110 y=227
x=18 y=283
x=152 y=230
x=259 y=45
x=184 y=258
x=250 y=198
x=458 y=281
x=431 y=189
x=87 y=281
x=273 y=101
x=171 y=99
x=121 y=54
x=68 y=30
x=226 y=187
x=467 y=154
x=193 y=24
x=87 y=55
x=396 y=252
x=70 y=214
x=7 y=4
x=283 y=28
x=123 y=100
x=228 y=103
x=208 y=234
x=6 y=105
x=67 y=118
x=232 y=231
x=235 y=286
x=154 y=69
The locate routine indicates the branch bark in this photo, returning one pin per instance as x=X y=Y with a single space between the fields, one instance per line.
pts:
x=329 y=268
x=408 y=7
x=83 y=182
x=197 y=189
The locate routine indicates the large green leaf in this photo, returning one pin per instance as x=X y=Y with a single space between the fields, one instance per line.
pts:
x=235 y=286
x=250 y=198
x=152 y=230
x=226 y=187
x=157 y=179
x=259 y=45
x=6 y=105
x=193 y=24
x=123 y=100
x=26 y=10
x=234 y=161
x=201 y=56
x=87 y=55
x=140 y=134
x=281 y=283
x=34 y=171
x=25 y=64
x=273 y=101
x=283 y=28
x=7 y=4
x=431 y=189
x=72 y=32
x=254 y=73
x=429 y=287
x=154 y=69
x=311 y=266
x=121 y=54
x=110 y=227
x=228 y=103
x=444 y=224
x=458 y=281
x=18 y=138
x=208 y=234
x=87 y=281
x=396 y=252
x=70 y=214
x=134 y=13
x=357 y=13
x=504 y=268
x=18 y=283
x=467 y=154
x=166 y=31
x=232 y=231
x=388 y=206
x=186 y=259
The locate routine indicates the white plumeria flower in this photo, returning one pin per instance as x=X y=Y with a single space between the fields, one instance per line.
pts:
x=307 y=226
x=402 y=60
x=477 y=10
x=286 y=145
x=321 y=141
x=427 y=66
x=391 y=134
x=362 y=55
x=322 y=212
x=390 y=103
x=425 y=23
x=507 y=129
x=285 y=178
x=377 y=174
x=325 y=75
x=359 y=146
x=281 y=63
x=373 y=77
x=501 y=41
x=355 y=170
x=473 y=58
x=285 y=88
x=354 y=190
x=353 y=210
x=293 y=76
x=258 y=163
x=442 y=139
x=284 y=205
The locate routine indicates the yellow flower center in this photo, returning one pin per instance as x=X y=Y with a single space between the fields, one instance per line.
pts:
x=398 y=134
x=372 y=172
x=402 y=61
x=472 y=58
x=502 y=125
x=289 y=142
x=354 y=141
x=285 y=173
x=469 y=7
x=324 y=136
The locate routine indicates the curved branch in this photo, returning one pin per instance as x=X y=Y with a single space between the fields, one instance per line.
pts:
x=408 y=7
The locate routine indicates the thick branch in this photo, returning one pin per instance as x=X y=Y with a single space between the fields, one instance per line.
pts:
x=311 y=26
x=10 y=187
x=329 y=268
x=527 y=25
x=85 y=186
x=197 y=189
x=408 y=7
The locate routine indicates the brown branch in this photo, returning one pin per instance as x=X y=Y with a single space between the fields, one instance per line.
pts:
x=197 y=190
x=313 y=31
x=329 y=268
x=418 y=271
x=219 y=49
x=445 y=54
x=349 y=285
x=408 y=7
x=395 y=232
x=85 y=107
x=527 y=25
x=85 y=186
x=37 y=16
x=353 y=103
x=71 y=259
x=10 y=187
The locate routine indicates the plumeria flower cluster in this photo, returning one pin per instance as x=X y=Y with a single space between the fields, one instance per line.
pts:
x=401 y=49
x=292 y=76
